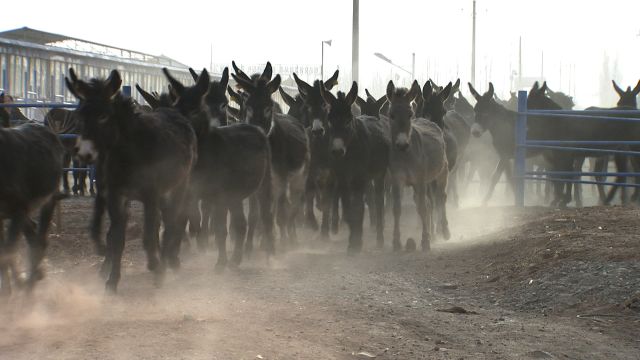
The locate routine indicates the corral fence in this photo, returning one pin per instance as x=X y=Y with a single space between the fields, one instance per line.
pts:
x=522 y=144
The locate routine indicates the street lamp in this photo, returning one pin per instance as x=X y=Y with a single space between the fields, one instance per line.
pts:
x=328 y=42
x=413 y=64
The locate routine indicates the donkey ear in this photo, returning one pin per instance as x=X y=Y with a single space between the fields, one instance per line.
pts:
x=390 y=90
x=233 y=112
x=380 y=103
x=71 y=88
x=288 y=99
x=474 y=92
x=194 y=74
x=114 y=81
x=361 y=102
x=150 y=99
x=235 y=97
x=636 y=90
x=543 y=88
x=617 y=88
x=491 y=91
x=456 y=87
x=303 y=88
x=268 y=71
x=326 y=95
x=239 y=72
x=244 y=84
x=366 y=91
x=224 y=80
x=202 y=84
x=427 y=90
x=176 y=86
x=444 y=94
x=414 y=91
x=274 y=84
x=332 y=81
x=353 y=93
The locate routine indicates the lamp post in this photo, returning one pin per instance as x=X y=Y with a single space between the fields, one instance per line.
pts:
x=413 y=64
x=328 y=42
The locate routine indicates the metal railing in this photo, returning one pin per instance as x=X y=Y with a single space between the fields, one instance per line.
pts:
x=522 y=144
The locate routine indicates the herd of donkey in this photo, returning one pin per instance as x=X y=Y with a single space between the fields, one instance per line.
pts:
x=192 y=161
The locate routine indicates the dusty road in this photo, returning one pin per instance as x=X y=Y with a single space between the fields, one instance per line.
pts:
x=538 y=284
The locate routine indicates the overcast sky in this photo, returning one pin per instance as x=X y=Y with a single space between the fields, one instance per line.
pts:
x=569 y=32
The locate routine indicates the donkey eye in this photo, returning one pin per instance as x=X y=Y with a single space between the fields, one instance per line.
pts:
x=249 y=112
x=103 y=120
x=223 y=107
x=267 y=112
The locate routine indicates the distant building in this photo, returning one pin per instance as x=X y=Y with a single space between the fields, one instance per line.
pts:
x=34 y=64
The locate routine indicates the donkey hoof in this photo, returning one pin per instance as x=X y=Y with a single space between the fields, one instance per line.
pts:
x=220 y=266
x=152 y=264
x=397 y=246
x=446 y=234
x=410 y=245
x=101 y=249
x=173 y=262
x=426 y=245
x=111 y=288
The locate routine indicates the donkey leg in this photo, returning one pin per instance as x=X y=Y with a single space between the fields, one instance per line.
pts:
x=38 y=242
x=621 y=166
x=378 y=185
x=254 y=209
x=239 y=230
x=151 y=238
x=309 y=198
x=265 y=202
x=8 y=252
x=420 y=198
x=397 y=211
x=601 y=165
x=220 y=230
x=370 y=200
x=356 y=218
x=116 y=207
x=335 y=213
x=494 y=180
x=440 y=203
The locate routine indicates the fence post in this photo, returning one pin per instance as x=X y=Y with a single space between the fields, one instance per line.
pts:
x=521 y=151
x=126 y=91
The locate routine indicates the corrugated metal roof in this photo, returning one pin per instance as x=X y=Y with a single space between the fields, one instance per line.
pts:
x=51 y=40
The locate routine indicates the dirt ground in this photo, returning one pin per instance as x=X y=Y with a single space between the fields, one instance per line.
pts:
x=535 y=284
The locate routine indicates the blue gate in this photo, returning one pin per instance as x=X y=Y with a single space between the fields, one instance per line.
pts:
x=581 y=146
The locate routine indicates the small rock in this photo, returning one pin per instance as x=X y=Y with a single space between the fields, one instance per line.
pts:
x=364 y=355
x=450 y=286
x=187 y=317
x=539 y=354
x=440 y=342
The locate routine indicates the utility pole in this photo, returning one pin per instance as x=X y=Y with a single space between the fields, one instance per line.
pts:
x=542 y=66
x=355 y=41
x=211 y=60
x=519 y=64
x=413 y=66
x=473 y=47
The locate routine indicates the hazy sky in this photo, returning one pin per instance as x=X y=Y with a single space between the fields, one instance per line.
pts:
x=570 y=32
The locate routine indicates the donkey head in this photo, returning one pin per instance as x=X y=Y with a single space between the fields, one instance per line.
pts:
x=400 y=113
x=216 y=99
x=538 y=98
x=315 y=109
x=188 y=99
x=154 y=99
x=4 y=114
x=433 y=102
x=627 y=97
x=98 y=124
x=342 y=127
x=450 y=102
x=258 y=108
x=371 y=106
x=295 y=105
x=485 y=110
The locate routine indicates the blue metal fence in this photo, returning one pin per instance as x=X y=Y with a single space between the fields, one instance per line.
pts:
x=567 y=145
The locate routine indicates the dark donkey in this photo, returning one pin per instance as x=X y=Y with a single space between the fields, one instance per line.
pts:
x=31 y=167
x=418 y=159
x=234 y=163
x=289 y=150
x=320 y=183
x=142 y=156
x=360 y=149
x=65 y=122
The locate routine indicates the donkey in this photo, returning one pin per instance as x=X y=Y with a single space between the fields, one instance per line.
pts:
x=371 y=106
x=31 y=166
x=433 y=108
x=289 y=149
x=320 y=184
x=360 y=149
x=63 y=121
x=143 y=156
x=417 y=159
x=234 y=163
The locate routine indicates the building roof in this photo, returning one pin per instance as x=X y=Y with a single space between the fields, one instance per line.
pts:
x=44 y=38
